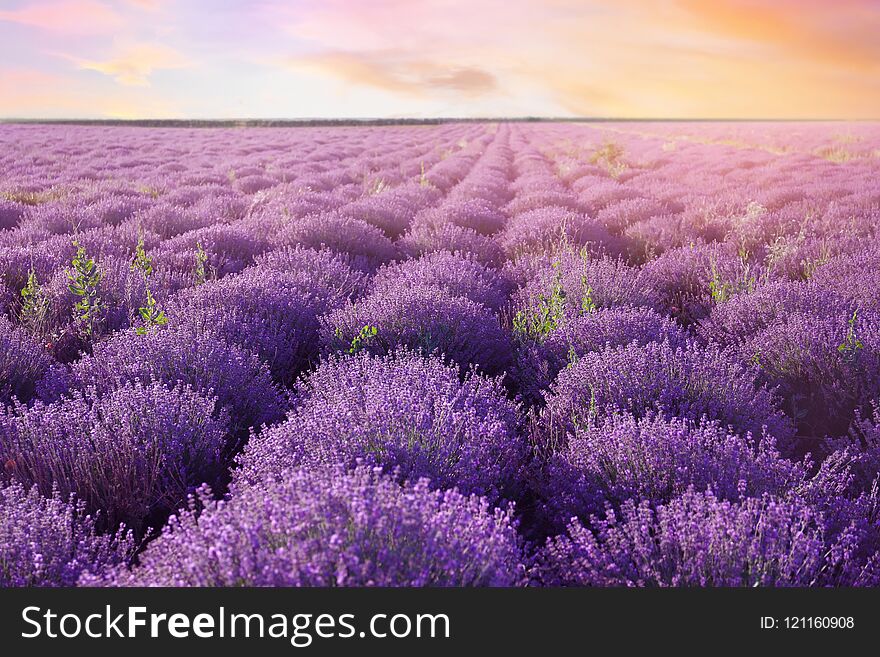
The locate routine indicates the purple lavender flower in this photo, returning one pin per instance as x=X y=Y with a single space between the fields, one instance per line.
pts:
x=51 y=542
x=229 y=249
x=585 y=282
x=329 y=527
x=134 y=453
x=475 y=214
x=687 y=280
x=817 y=347
x=688 y=382
x=404 y=412
x=855 y=275
x=365 y=244
x=23 y=361
x=327 y=276
x=460 y=275
x=545 y=230
x=11 y=214
x=176 y=355
x=272 y=314
x=427 y=238
x=577 y=336
x=424 y=318
x=699 y=540
x=656 y=459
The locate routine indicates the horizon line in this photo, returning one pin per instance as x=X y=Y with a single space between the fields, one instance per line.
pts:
x=378 y=121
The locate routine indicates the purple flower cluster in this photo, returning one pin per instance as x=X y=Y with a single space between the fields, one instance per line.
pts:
x=700 y=540
x=684 y=280
x=365 y=244
x=578 y=335
x=689 y=382
x=326 y=275
x=819 y=349
x=132 y=454
x=271 y=313
x=23 y=361
x=427 y=238
x=228 y=249
x=425 y=318
x=655 y=458
x=47 y=541
x=604 y=282
x=328 y=527
x=176 y=356
x=539 y=230
x=402 y=413
x=459 y=275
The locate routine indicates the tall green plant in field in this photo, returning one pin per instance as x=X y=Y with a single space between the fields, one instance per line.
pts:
x=851 y=345
x=150 y=313
x=84 y=278
x=34 y=309
x=201 y=270
x=536 y=322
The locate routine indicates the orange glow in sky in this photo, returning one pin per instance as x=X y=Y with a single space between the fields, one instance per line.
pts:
x=412 y=58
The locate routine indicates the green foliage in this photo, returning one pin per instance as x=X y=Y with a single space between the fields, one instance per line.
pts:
x=366 y=334
x=84 y=278
x=201 y=270
x=721 y=290
x=151 y=315
x=34 y=305
x=851 y=345
x=423 y=179
x=588 y=306
x=147 y=190
x=538 y=322
x=142 y=262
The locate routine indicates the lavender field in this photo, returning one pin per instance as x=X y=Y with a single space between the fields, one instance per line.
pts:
x=467 y=354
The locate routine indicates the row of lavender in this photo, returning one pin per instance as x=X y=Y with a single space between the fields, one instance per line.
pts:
x=610 y=354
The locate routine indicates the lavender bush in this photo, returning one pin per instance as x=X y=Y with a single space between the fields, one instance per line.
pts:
x=656 y=459
x=47 y=541
x=270 y=313
x=403 y=413
x=134 y=453
x=23 y=361
x=242 y=385
x=699 y=540
x=329 y=527
x=689 y=382
x=424 y=318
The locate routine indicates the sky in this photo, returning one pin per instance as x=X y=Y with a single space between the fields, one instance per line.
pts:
x=454 y=58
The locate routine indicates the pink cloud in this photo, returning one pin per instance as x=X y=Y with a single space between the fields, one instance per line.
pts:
x=399 y=72
x=76 y=17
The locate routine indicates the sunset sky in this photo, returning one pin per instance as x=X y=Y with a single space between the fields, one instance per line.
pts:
x=412 y=58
